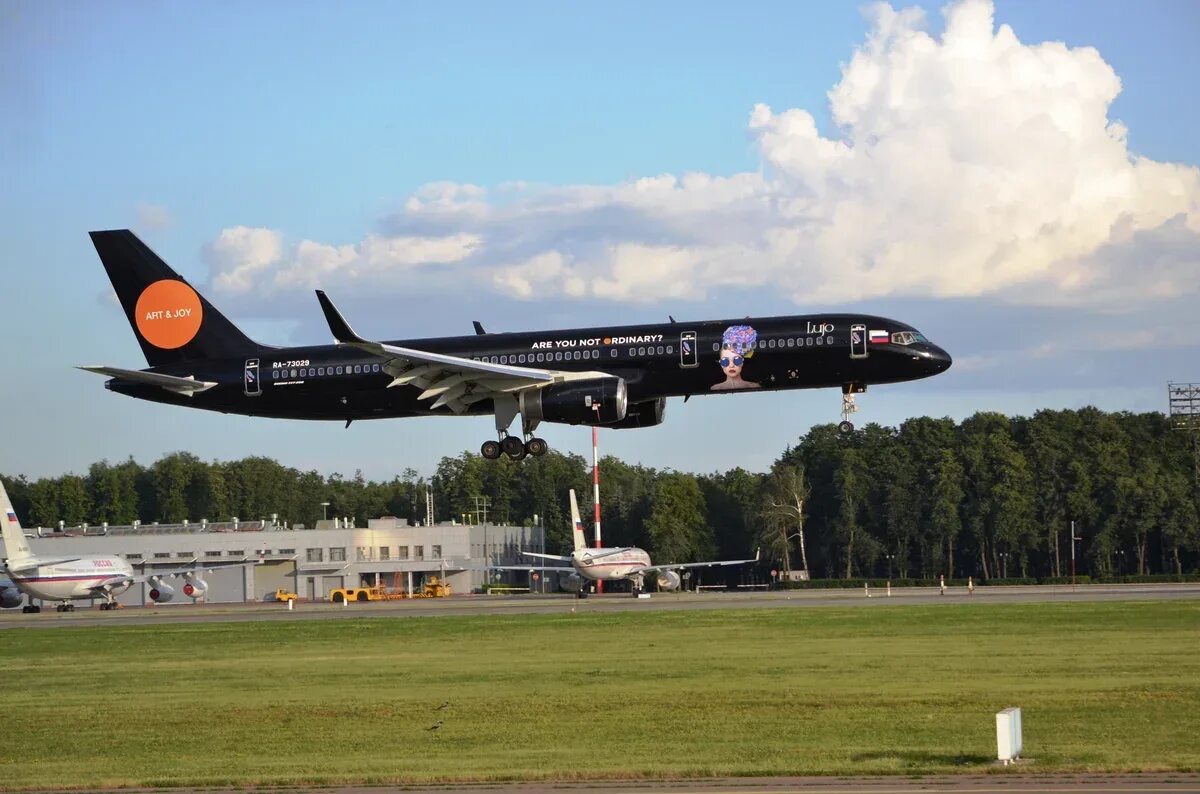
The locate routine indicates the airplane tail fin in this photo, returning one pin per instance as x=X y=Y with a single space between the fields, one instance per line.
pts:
x=16 y=547
x=577 y=524
x=171 y=321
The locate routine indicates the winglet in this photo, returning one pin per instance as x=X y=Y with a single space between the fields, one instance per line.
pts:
x=338 y=326
x=478 y=328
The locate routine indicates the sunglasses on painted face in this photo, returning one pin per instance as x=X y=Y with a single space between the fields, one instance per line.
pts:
x=737 y=361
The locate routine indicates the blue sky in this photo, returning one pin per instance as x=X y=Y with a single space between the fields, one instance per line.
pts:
x=321 y=127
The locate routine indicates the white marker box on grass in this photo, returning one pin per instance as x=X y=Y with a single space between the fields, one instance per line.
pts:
x=1008 y=735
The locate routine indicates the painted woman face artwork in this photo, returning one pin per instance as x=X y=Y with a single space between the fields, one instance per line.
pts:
x=737 y=345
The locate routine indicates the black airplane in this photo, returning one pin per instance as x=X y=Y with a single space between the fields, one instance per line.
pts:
x=616 y=377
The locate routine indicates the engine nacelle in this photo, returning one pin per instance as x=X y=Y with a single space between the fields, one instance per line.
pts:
x=647 y=413
x=599 y=401
x=668 y=580
x=570 y=582
x=161 y=592
x=10 y=597
x=195 y=587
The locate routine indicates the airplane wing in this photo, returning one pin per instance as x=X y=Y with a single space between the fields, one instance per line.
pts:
x=451 y=381
x=555 y=557
x=186 y=386
x=529 y=567
x=173 y=572
x=654 y=568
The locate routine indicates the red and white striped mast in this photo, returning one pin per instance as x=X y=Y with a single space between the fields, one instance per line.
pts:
x=596 y=492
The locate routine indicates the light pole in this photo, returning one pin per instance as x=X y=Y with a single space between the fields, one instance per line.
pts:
x=324 y=511
x=890 y=557
x=1004 y=565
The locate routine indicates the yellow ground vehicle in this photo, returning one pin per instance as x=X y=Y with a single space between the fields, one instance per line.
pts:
x=341 y=594
x=435 y=588
x=282 y=595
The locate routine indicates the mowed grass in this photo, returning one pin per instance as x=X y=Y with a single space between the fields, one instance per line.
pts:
x=1112 y=686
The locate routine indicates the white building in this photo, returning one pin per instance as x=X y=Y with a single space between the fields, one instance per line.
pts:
x=309 y=562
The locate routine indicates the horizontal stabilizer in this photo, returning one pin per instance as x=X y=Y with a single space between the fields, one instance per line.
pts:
x=186 y=386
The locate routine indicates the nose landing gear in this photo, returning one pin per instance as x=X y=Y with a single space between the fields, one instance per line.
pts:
x=849 y=408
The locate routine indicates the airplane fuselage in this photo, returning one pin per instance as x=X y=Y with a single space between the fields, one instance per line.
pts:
x=608 y=564
x=76 y=579
x=337 y=382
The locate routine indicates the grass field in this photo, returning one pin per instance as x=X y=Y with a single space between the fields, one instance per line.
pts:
x=1113 y=686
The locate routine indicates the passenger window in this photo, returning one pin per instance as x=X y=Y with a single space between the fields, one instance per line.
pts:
x=632 y=352
x=577 y=355
x=293 y=373
x=613 y=353
x=274 y=374
x=762 y=343
x=820 y=340
x=771 y=343
x=717 y=346
x=791 y=342
x=670 y=349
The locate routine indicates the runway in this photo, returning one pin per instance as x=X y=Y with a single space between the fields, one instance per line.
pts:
x=526 y=604
x=1003 y=783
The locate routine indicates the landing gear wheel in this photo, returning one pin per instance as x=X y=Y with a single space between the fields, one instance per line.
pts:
x=513 y=447
x=490 y=450
x=845 y=428
x=537 y=447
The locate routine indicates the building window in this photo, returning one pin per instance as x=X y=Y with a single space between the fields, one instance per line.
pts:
x=337 y=553
x=133 y=556
x=385 y=553
x=185 y=554
x=286 y=551
x=361 y=553
x=315 y=555
x=402 y=552
x=160 y=555
x=212 y=554
x=435 y=552
x=418 y=552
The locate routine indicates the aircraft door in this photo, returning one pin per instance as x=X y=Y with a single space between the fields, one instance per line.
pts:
x=688 y=356
x=252 y=387
x=858 y=341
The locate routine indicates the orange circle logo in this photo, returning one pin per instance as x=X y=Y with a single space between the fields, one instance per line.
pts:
x=168 y=314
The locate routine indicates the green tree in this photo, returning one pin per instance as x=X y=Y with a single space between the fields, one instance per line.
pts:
x=676 y=526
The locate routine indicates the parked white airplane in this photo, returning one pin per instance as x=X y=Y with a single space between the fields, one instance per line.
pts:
x=66 y=579
x=611 y=564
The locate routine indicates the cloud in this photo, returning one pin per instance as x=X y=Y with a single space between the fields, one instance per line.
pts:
x=152 y=217
x=244 y=260
x=969 y=164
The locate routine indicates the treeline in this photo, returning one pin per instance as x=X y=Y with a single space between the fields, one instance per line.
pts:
x=991 y=497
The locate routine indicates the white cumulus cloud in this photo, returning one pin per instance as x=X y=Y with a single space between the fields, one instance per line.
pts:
x=963 y=164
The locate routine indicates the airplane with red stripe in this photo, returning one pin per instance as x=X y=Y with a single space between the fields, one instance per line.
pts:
x=65 y=580
x=627 y=563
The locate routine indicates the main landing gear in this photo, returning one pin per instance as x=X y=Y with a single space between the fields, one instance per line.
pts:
x=65 y=606
x=31 y=608
x=514 y=447
x=848 y=406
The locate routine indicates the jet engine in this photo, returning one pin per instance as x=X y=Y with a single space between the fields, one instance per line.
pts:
x=195 y=587
x=10 y=597
x=161 y=592
x=571 y=582
x=599 y=401
x=647 y=413
x=668 y=580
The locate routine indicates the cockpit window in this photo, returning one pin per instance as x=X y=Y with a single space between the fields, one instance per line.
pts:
x=908 y=338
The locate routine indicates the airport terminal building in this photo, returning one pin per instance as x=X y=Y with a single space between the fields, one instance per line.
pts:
x=308 y=562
